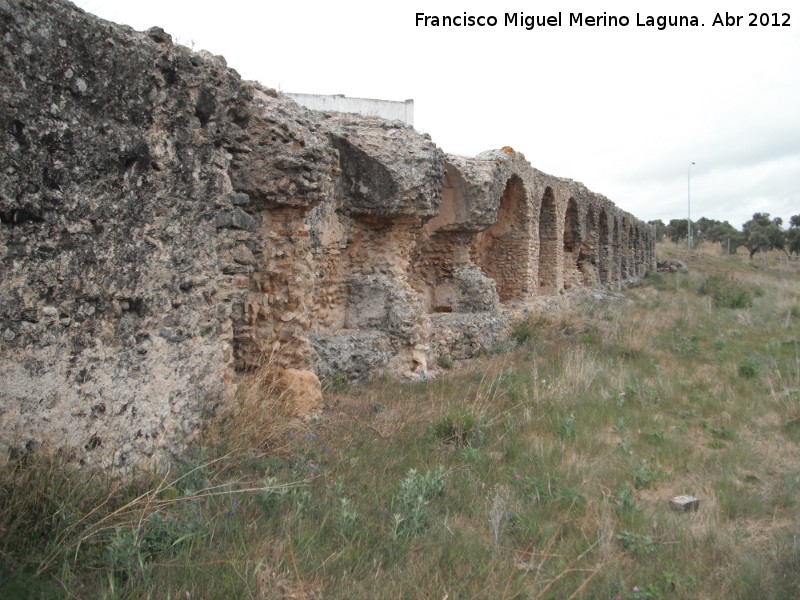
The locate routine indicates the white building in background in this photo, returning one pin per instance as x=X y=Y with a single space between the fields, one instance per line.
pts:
x=388 y=109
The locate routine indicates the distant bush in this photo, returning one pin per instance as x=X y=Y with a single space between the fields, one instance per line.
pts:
x=526 y=332
x=728 y=293
x=656 y=280
x=461 y=427
x=445 y=361
x=748 y=367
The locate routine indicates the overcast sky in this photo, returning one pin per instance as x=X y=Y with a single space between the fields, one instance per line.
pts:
x=622 y=109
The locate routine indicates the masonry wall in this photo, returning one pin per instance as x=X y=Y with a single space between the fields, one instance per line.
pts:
x=166 y=228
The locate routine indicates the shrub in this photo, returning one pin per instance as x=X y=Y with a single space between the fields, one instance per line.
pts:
x=727 y=292
x=656 y=280
x=445 y=361
x=526 y=332
x=748 y=368
x=130 y=548
x=461 y=427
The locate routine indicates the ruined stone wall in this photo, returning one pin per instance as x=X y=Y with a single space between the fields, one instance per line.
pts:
x=140 y=195
x=166 y=227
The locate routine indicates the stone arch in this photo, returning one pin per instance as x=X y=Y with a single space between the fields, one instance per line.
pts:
x=437 y=253
x=572 y=239
x=614 y=252
x=633 y=268
x=443 y=271
x=329 y=232
x=587 y=255
x=621 y=242
x=548 y=243
x=503 y=250
x=646 y=241
x=604 y=239
x=453 y=208
x=637 y=245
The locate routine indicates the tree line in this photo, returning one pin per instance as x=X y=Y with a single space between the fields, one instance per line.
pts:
x=761 y=233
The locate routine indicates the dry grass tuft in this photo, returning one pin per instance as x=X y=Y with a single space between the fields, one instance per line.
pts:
x=581 y=368
x=269 y=402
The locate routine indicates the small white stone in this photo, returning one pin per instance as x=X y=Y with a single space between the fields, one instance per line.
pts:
x=685 y=503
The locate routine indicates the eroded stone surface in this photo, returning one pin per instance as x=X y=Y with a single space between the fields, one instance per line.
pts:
x=166 y=226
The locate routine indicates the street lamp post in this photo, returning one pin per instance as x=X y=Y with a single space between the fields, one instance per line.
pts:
x=689 y=199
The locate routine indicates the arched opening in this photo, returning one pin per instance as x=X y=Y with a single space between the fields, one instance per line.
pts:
x=453 y=209
x=572 y=245
x=622 y=244
x=633 y=268
x=604 y=254
x=329 y=236
x=587 y=255
x=503 y=250
x=614 y=251
x=639 y=251
x=548 y=243
x=439 y=250
x=443 y=272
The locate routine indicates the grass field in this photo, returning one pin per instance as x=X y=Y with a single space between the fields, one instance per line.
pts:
x=541 y=471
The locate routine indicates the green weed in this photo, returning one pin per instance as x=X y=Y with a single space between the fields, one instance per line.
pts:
x=546 y=490
x=625 y=499
x=645 y=474
x=410 y=506
x=347 y=518
x=156 y=538
x=748 y=368
x=636 y=543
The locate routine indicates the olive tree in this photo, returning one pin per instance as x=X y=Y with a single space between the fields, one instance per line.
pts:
x=762 y=233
